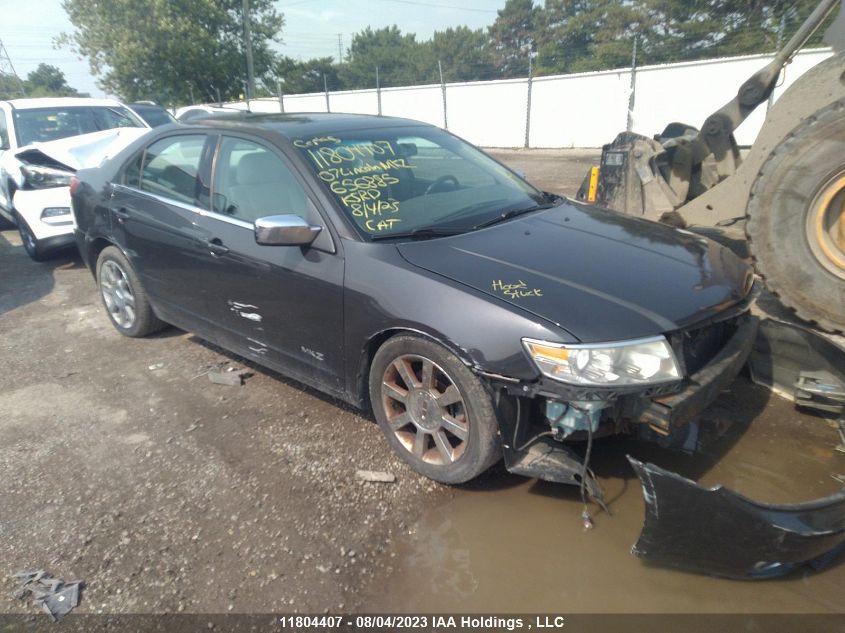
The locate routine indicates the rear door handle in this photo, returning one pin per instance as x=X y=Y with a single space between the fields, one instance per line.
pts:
x=121 y=214
x=215 y=247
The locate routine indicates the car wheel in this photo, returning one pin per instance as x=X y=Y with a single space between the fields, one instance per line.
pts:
x=436 y=414
x=123 y=296
x=31 y=244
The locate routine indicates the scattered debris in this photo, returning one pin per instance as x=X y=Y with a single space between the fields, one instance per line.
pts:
x=55 y=597
x=376 y=476
x=232 y=377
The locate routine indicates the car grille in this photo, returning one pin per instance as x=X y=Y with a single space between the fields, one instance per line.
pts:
x=700 y=345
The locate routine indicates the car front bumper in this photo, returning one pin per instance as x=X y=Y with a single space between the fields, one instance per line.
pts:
x=30 y=204
x=717 y=531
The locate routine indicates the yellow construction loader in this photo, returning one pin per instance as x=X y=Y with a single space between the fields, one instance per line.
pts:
x=783 y=203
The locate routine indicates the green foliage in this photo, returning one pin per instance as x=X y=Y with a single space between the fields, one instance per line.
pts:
x=172 y=51
x=177 y=51
x=400 y=59
x=464 y=54
x=513 y=37
x=302 y=77
x=44 y=81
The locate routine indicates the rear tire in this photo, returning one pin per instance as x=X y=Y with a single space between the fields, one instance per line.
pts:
x=414 y=383
x=796 y=221
x=124 y=298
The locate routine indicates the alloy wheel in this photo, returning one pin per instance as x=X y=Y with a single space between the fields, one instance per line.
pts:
x=425 y=409
x=117 y=294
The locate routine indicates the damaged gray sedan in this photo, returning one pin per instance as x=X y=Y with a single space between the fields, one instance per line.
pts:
x=396 y=267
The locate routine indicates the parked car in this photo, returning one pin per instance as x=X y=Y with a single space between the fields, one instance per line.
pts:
x=187 y=113
x=394 y=266
x=152 y=113
x=42 y=143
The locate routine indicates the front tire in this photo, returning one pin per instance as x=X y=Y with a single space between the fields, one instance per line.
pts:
x=123 y=296
x=32 y=245
x=796 y=219
x=435 y=413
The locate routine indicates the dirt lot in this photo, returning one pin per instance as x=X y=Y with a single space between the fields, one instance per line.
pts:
x=123 y=466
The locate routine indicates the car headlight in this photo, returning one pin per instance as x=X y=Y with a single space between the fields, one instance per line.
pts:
x=41 y=177
x=639 y=362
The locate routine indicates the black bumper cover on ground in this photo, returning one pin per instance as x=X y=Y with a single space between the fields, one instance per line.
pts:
x=717 y=531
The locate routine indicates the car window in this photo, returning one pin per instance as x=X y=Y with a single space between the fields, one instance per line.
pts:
x=154 y=116
x=50 y=124
x=395 y=181
x=170 y=167
x=251 y=182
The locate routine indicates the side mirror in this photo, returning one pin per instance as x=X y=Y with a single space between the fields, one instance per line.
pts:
x=285 y=230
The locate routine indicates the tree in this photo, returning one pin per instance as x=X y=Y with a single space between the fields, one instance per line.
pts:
x=48 y=81
x=513 y=37
x=172 y=51
x=400 y=59
x=465 y=54
x=302 y=77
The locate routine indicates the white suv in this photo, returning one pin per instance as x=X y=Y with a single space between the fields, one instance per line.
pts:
x=42 y=144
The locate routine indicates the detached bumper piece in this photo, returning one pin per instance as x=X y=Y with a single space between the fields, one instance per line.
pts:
x=717 y=531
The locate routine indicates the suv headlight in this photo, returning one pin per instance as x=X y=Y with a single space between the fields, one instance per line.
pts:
x=41 y=177
x=643 y=361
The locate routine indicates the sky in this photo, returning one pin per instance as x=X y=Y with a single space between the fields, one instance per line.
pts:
x=27 y=29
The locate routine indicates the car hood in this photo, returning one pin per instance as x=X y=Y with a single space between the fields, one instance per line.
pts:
x=599 y=275
x=83 y=151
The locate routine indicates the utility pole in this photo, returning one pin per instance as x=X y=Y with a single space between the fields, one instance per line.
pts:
x=7 y=68
x=632 y=97
x=528 y=108
x=340 y=48
x=250 y=70
x=326 y=90
x=443 y=89
x=378 y=92
x=280 y=95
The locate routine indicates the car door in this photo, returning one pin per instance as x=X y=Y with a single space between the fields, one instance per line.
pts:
x=281 y=305
x=154 y=206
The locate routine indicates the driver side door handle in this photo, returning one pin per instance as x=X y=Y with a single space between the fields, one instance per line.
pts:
x=215 y=247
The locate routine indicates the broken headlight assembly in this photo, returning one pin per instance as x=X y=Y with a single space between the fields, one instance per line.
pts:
x=645 y=361
x=42 y=177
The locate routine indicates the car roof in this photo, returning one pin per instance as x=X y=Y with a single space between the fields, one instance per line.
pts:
x=61 y=102
x=303 y=124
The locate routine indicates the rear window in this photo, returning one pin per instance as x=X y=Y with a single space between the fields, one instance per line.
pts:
x=39 y=125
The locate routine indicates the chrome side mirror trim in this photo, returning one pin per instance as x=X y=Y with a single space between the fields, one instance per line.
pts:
x=285 y=230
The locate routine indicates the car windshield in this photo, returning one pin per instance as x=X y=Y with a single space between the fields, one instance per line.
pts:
x=397 y=181
x=50 y=124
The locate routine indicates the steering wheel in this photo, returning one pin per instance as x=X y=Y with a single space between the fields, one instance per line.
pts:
x=432 y=188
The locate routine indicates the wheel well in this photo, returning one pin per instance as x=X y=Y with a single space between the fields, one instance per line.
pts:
x=94 y=250
x=380 y=339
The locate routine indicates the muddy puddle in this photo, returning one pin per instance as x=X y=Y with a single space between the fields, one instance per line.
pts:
x=508 y=544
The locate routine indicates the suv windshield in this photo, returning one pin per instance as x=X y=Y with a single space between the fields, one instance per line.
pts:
x=396 y=181
x=50 y=124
